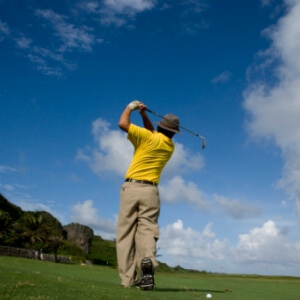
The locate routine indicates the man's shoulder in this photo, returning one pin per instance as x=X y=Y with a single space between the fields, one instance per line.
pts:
x=134 y=129
x=164 y=137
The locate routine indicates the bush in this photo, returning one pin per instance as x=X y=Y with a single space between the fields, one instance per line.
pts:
x=103 y=252
x=69 y=249
x=164 y=268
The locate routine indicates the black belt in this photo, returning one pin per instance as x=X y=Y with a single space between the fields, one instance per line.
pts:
x=141 y=181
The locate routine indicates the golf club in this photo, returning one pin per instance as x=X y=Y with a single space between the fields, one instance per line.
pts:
x=199 y=136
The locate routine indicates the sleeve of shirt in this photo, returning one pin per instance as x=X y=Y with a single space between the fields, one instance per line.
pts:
x=137 y=135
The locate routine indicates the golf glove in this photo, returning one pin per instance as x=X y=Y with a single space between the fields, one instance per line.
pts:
x=134 y=105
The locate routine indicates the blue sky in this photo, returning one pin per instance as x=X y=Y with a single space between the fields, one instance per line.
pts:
x=229 y=69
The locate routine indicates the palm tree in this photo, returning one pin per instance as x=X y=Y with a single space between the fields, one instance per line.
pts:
x=31 y=231
x=54 y=241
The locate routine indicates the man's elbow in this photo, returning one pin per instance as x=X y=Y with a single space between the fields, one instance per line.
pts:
x=124 y=126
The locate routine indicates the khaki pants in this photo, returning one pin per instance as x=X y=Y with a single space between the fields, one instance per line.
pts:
x=138 y=230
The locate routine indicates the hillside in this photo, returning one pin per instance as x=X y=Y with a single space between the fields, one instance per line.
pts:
x=103 y=252
x=14 y=211
x=34 y=230
x=49 y=234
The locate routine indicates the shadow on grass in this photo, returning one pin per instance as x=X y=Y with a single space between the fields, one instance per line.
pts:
x=157 y=289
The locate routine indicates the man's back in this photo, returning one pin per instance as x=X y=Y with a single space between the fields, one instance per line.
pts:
x=152 y=152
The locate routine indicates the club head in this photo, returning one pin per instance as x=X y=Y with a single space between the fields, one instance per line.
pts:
x=203 y=144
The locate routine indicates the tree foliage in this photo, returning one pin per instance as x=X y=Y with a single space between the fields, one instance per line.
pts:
x=103 y=252
x=5 y=226
x=30 y=231
x=14 y=211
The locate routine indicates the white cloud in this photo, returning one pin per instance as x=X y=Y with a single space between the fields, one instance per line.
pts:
x=264 y=250
x=6 y=169
x=192 y=28
x=266 y=2
x=75 y=178
x=129 y=6
x=86 y=214
x=274 y=105
x=189 y=19
x=207 y=232
x=7 y=187
x=268 y=245
x=18 y=194
x=44 y=57
x=48 y=53
x=177 y=190
x=36 y=59
x=187 y=7
x=45 y=60
x=90 y=6
x=72 y=37
x=23 y=42
x=27 y=202
x=117 y=12
x=235 y=209
x=183 y=160
x=43 y=66
x=222 y=78
x=4 y=30
x=113 y=153
x=178 y=242
x=196 y=6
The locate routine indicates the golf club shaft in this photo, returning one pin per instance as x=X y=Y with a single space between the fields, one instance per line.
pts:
x=199 y=136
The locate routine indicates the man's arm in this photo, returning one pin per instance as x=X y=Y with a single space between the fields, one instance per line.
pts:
x=124 y=122
x=147 y=123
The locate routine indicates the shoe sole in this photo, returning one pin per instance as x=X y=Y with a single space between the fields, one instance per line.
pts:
x=147 y=286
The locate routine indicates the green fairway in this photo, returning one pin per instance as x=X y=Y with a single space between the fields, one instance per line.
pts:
x=31 y=279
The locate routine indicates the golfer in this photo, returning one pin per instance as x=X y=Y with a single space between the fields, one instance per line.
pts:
x=138 y=231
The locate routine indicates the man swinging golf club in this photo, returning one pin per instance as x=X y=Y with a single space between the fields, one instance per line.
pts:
x=138 y=230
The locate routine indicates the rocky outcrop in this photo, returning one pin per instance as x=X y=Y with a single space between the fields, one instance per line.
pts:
x=80 y=235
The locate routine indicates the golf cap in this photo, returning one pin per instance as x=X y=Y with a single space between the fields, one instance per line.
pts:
x=169 y=122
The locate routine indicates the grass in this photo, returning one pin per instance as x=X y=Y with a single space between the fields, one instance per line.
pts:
x=30 y=279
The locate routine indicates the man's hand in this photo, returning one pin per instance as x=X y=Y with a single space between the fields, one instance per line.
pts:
x=124 y=122
x=134 y=105
x=142 y=108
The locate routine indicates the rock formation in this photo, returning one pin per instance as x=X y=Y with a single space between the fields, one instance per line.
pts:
x=80 y=235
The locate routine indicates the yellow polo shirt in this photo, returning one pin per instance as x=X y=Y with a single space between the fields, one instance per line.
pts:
x=152 y=152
